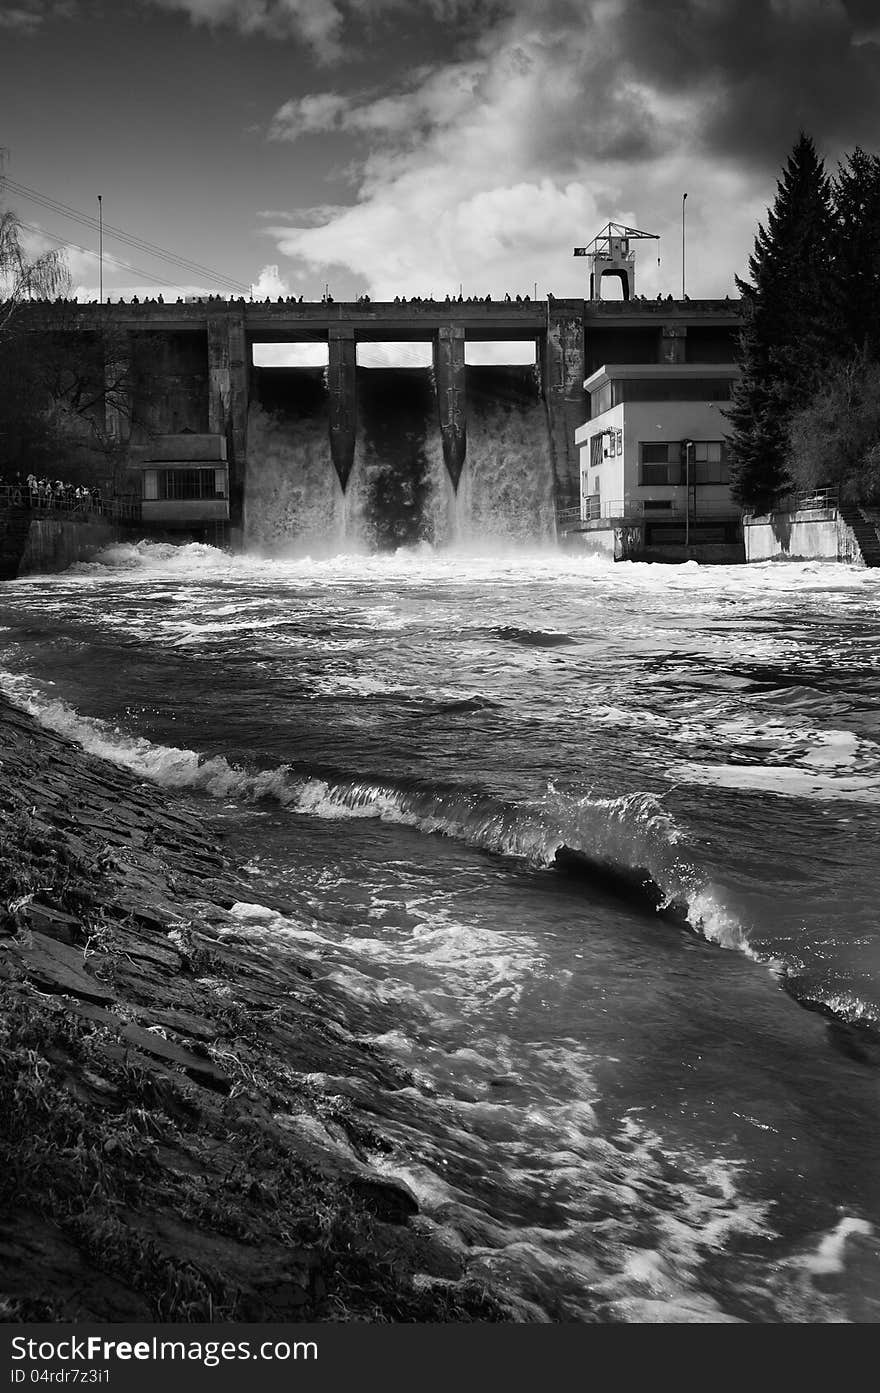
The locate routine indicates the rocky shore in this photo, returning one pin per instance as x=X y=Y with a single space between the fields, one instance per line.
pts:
x=177 y=1140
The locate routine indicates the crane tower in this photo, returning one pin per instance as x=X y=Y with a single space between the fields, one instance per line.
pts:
x=610 y=255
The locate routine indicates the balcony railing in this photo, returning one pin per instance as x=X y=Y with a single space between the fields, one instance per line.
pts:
x=632 y=510
x=21 y=498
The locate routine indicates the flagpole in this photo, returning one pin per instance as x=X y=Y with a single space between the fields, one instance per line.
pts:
x=683 y=200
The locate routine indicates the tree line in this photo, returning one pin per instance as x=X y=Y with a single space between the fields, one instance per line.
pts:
x=806 y=411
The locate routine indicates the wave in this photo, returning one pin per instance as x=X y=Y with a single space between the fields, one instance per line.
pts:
x=475 y=702
x=532 y=638
x=629 y=844
x=154 y=556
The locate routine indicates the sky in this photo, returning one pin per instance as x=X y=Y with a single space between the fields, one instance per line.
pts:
x=418 y=147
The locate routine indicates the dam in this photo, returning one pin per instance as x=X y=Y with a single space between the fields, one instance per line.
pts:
x=382 y=457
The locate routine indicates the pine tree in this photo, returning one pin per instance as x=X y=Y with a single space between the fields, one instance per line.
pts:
x=788 y=319
x=857 y=256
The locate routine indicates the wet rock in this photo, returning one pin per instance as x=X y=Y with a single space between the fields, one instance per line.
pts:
x=185 y=1023
x=204 y=1071
x=53 y=923
x=386 y=1197
x=40 y=1264
x=56 y=967
x=218 y=1172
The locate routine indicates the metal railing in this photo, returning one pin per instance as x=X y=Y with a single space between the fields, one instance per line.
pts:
x=20 y=498
x=815 y=498
x=596 y=509
x=812 y=500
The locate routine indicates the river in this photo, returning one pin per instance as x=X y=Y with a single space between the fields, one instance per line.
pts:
x=591 y=849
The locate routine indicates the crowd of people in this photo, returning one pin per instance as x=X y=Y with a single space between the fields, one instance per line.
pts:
x=34 y=492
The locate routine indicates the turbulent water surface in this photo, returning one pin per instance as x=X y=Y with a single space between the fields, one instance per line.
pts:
x=592 y=849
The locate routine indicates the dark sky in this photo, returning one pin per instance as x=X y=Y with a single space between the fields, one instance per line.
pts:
x=400 y=147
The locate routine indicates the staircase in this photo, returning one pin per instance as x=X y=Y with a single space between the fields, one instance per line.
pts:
x=865 y=531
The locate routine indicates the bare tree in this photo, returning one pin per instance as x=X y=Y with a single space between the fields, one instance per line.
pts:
x=24 y=277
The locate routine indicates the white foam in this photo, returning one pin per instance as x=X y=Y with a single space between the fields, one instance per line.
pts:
x=830 y=1254
x=783 y=781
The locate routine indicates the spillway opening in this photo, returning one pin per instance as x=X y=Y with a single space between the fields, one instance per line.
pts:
x=290 y=355
x=394 y=354
x=500 y=353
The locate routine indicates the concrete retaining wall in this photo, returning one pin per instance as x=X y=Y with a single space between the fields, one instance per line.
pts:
x=53 y=544
x=598 y=541
x=627 y=543
x=816 y=534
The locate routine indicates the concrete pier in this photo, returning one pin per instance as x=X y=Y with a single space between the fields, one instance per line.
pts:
x=449 y=376
x=342 y=388
x=563 y=377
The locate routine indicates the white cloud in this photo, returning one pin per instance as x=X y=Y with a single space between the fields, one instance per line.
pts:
x=555 y=116
x=321 y=112
x=317 y=23
x=456 y=187
x=23 y=19
x=452 y=189
x=29 y=16
x=269 y=283
x=442 y=95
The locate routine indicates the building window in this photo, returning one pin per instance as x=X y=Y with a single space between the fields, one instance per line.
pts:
x=191 y=483
x=662 y=462
x=620 y=442
x=596 y=448
x=600 y=400
x=650 y=475
x=710 y=460
x=658 y=462
x=678 y=389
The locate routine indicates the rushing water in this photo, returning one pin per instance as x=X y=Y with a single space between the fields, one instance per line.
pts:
x=399 y=493
x=590 y=849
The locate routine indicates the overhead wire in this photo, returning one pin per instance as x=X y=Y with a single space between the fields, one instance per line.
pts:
x=139 y=243
x=119 y=234
x=90 y=251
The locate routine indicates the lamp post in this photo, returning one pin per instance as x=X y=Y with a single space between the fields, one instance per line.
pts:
x=100 y=250
x=687 y=446
x=683 y=202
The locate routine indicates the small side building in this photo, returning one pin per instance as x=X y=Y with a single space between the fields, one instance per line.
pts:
x=654 y=475
x=185 y=485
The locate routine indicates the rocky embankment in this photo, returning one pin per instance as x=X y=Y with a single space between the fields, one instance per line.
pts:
x=176 y=1139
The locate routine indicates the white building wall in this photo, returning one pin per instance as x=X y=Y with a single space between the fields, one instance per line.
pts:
x=610 y=472
x=638 y=422
x=672 y=421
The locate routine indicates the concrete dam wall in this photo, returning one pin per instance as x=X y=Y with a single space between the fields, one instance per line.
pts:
x=374 y=457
